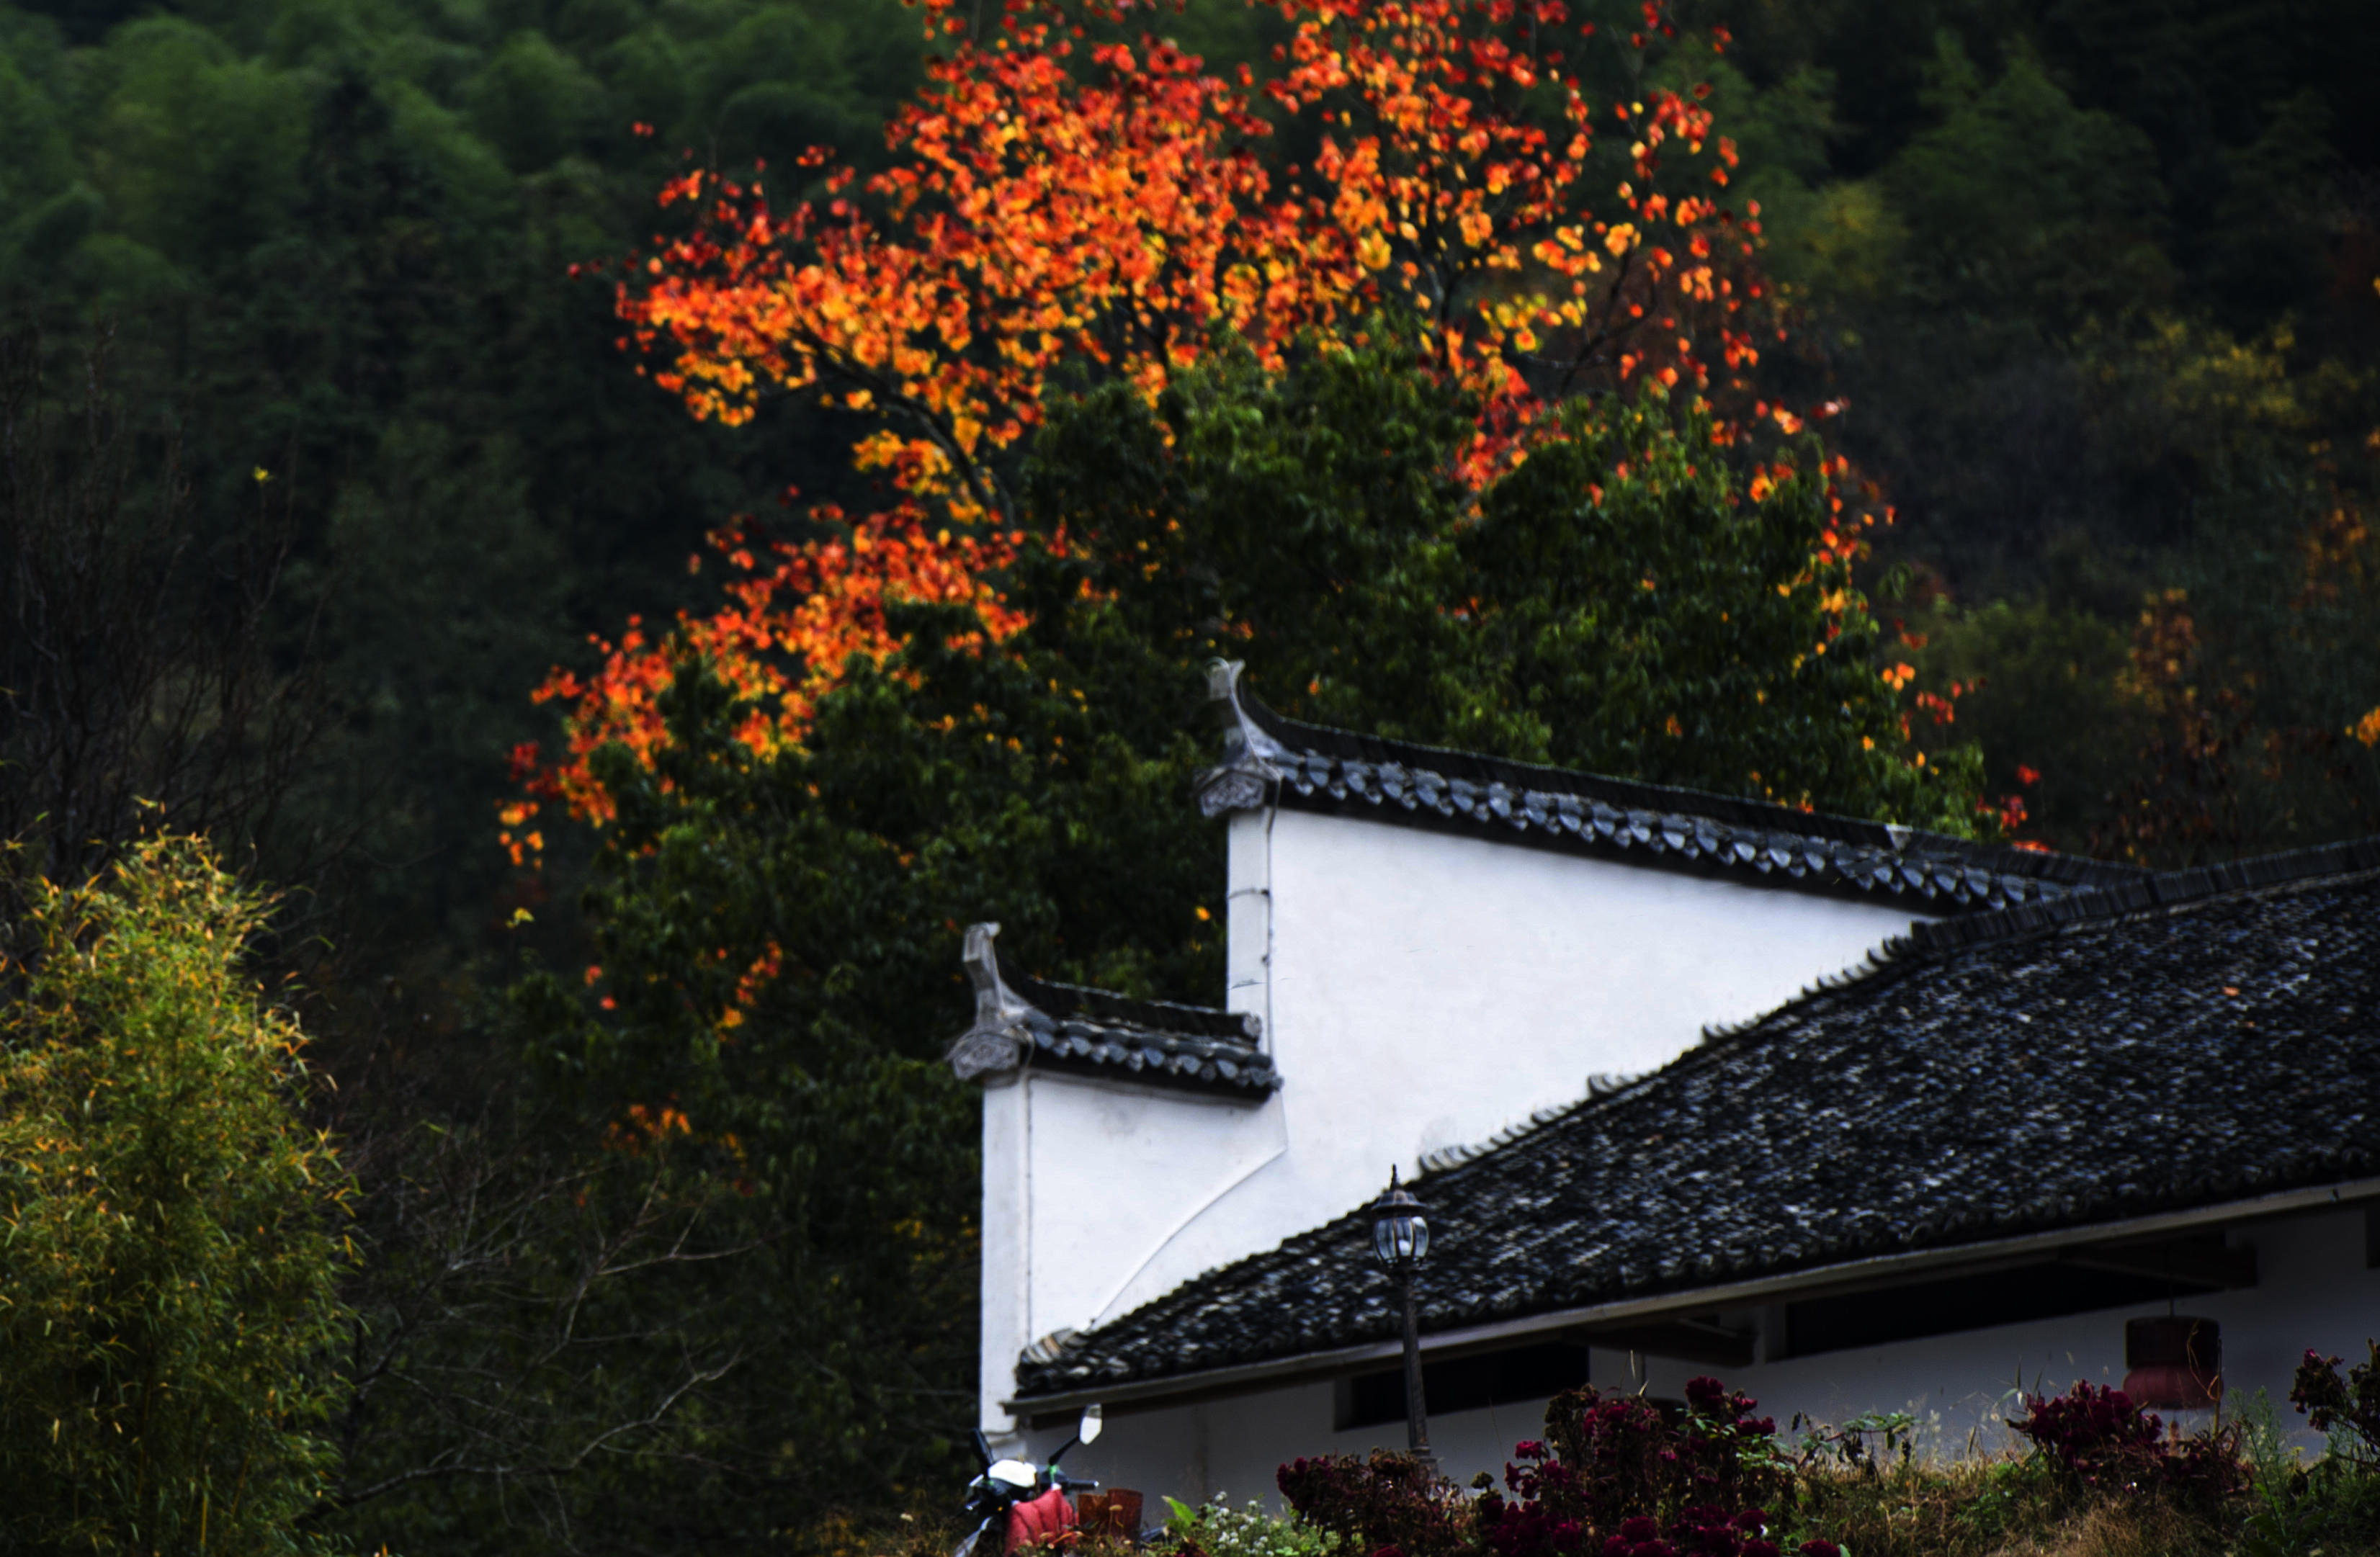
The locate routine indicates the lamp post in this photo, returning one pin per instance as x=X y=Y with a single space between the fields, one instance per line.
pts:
x=1400 y=1240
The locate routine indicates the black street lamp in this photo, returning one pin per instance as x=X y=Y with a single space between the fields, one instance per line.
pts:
x=1400 y=1240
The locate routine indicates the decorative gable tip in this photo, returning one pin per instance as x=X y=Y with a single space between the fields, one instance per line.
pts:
x=1247 y=773
x=995 y=1041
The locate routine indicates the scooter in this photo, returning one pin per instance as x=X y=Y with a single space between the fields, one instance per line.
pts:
x=1015 y=1503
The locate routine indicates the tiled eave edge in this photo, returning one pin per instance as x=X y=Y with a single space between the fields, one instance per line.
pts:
x=1849 y=1275
x=1132 y=1055
x=1940 y=874
x=1012 y=1036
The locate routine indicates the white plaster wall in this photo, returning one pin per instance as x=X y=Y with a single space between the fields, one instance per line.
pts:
x=1422 y=990
x=1006 y=1233
x=2312 y=1291
x=1085 y=1182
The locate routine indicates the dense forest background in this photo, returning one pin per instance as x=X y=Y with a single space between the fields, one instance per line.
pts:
x=315 y=286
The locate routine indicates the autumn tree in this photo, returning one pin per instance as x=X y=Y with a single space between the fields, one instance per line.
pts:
x=1070 y=193
x=1069 y=204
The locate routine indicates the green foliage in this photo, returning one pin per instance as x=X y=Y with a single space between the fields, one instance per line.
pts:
x=2034 y=211
x=2072 y=268
x=1620 y=604
x=2042 y=694
x=2281 y=1520
x=170 y=1299
x=1217 y=1529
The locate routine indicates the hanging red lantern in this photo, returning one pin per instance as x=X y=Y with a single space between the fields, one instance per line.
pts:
x=2173 y=1362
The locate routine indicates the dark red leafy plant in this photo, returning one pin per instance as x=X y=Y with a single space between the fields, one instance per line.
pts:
x=2099 y=1438
x=1619 y=1476
x=1381 y=1504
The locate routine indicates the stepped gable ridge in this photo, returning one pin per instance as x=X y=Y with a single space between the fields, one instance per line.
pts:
x=1024 y=1023
x=1270 y=759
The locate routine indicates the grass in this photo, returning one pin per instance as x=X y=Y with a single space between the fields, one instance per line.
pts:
x=1996 y=1507
x=2014 y=1507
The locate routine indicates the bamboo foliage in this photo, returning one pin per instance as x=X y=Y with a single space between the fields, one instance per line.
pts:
x=171 y=1234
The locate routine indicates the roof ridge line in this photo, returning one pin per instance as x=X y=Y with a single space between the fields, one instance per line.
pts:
x=1874 y=961
x=1224 y=686
x=2165 y=889
x=1599 y=1085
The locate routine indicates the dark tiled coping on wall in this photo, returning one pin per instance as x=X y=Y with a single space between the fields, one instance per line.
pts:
x=1095 y=1032
x=1268 y=758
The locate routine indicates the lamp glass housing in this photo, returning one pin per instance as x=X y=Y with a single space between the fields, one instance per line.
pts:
x=1400 y=1231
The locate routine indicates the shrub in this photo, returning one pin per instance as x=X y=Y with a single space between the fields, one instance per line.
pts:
x=1385 y=1501
x=2099 y=1438
x=1867 y=1443
x=173 y=1258
x=2097 y=1434
x=1613 y=1464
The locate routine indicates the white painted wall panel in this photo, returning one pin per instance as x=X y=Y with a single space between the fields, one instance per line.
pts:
x=1086 y=1181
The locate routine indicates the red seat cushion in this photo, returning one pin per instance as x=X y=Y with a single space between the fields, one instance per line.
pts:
x=1047 y=1518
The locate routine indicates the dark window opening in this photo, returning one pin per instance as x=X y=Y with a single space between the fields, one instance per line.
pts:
x=1464 y=1384
x=1974 y=1302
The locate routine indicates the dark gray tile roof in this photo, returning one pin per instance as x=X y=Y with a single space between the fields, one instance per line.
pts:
x=2187 y=1042
x=1339 y=772
x=1072 y=1028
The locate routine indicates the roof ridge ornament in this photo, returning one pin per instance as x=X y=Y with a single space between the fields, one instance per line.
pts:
x=1245 y=777
x=996 y=1041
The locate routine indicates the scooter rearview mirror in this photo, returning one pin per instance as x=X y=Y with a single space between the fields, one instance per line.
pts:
x=1089 y=1432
